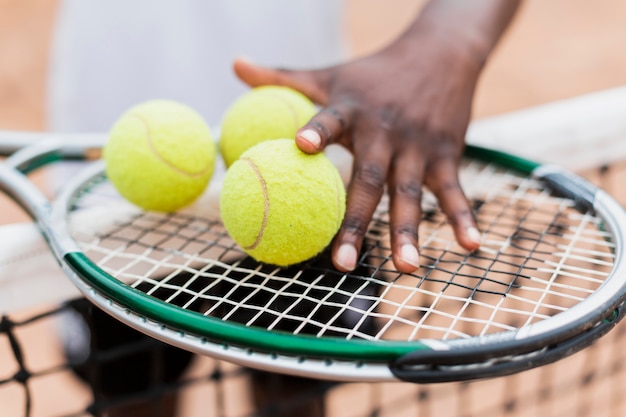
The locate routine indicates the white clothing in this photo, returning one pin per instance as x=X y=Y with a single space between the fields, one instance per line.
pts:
x=108 y=55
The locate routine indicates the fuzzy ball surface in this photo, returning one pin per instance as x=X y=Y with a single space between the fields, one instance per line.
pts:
x=263 y=113
x=280 y=205
x=160 y=155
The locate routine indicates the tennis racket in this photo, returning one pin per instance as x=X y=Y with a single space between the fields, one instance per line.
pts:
x=547 y=281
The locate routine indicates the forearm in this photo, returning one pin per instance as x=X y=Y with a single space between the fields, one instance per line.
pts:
x=475 y=25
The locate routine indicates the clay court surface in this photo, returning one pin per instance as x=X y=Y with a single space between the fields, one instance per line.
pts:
x=555 y=50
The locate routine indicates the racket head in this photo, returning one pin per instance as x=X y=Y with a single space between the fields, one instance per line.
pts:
x=549 y=275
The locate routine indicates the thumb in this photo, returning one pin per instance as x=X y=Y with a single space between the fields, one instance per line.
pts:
x=310 y=83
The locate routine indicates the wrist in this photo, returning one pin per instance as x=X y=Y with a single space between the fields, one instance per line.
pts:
x=470 y=29
x=437 y=45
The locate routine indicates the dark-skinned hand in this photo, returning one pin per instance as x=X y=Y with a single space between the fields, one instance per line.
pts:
x=403 y=113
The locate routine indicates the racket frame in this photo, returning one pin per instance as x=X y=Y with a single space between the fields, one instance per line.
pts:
x=359 y=360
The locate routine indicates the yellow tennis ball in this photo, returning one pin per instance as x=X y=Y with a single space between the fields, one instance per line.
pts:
x=281 y=205
x=160 y=155
x=263 y=113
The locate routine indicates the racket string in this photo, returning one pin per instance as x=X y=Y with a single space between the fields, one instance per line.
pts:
x=539 y=257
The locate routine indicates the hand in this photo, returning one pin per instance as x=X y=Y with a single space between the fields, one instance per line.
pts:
x=403 y=113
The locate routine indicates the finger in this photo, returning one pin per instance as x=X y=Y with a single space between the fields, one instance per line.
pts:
x=443 y=181
x=364 y=192
x=405 y=193
x=309 y=83
x=328 y=126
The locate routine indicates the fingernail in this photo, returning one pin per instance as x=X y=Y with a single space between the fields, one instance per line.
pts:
x=409 y=254
x=474 y=234
x=346 y=257
x=312 y=137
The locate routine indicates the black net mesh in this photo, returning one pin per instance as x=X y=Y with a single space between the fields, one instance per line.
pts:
x=137 y=376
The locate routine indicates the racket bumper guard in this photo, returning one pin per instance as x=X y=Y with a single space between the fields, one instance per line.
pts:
x=453 y=365
x=565 y=184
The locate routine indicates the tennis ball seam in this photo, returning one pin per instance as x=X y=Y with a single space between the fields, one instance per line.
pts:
x=160 y=157
x=266 y=203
